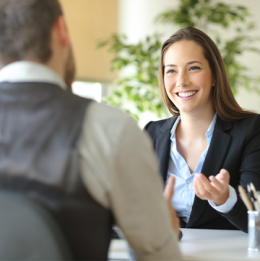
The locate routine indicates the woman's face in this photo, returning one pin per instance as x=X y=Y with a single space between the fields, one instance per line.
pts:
x=187 y=77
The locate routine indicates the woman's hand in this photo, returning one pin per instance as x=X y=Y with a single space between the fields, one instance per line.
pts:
x=215 y=188
x=168 y=193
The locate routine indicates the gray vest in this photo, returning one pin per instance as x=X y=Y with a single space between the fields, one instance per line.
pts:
x=40 y=127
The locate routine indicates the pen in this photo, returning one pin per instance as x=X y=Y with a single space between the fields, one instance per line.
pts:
x=255 y=198
x=251 y=196
x=245 y=198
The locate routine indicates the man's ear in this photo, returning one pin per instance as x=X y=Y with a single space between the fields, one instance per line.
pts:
x=61 y=31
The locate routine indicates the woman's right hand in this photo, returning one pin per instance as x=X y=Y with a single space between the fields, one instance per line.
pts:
x=168 y=193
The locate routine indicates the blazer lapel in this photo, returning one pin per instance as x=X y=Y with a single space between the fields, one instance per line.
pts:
x=163 y=145
x=212 y=164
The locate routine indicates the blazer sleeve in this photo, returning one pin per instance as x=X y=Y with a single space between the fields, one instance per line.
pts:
x=238 y=215
x=249 y=172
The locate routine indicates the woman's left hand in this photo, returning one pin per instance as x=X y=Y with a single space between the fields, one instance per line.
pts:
x=168 y=194
x=215 y=188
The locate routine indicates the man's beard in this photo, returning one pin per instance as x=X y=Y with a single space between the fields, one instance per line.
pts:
x=70 y=69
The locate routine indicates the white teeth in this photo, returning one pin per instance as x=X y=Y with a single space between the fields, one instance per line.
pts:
x=185 y=94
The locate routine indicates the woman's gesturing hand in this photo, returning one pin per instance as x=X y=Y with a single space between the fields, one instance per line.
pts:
x=168 y=193
x=215 y=188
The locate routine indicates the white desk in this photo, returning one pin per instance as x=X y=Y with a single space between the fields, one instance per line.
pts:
x=202 y=245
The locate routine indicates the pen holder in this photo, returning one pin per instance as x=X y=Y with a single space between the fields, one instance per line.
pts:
x=253 y=230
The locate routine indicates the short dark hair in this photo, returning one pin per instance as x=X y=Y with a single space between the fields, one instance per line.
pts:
x=25 y=29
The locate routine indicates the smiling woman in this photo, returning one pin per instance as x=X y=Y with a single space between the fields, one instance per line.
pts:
x=210 y=145
x=187 y=78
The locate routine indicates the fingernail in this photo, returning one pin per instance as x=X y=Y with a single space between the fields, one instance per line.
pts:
x=211 y=178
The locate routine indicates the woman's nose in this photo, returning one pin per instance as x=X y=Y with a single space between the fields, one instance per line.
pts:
x=182 y=79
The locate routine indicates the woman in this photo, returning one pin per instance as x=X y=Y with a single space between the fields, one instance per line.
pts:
x=211 y=145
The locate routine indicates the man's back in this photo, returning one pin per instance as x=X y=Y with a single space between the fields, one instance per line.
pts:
x=39 y=157
x=115 y=159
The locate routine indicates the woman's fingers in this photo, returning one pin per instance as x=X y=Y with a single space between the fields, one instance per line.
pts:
x=216 y=188
x=168 y=194
x=220 y=186
x=223 y=176
x=204 y=189
x=169 y=189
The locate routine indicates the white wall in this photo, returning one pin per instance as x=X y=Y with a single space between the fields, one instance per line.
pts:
x=136 y=20
x=250 y=100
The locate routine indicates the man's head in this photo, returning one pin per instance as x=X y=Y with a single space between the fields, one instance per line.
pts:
x=34 y=30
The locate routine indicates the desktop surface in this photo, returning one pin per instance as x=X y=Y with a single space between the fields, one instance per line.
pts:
x=202 y=245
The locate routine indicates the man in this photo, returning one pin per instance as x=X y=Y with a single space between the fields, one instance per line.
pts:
x=87 y=163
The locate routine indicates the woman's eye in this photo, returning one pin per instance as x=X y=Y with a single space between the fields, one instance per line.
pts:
x=195 y=68
x=170 y=71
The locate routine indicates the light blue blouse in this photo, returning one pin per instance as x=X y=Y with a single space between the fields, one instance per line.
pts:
x=184 y=193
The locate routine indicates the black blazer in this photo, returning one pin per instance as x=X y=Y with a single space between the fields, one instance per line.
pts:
x=235 y=146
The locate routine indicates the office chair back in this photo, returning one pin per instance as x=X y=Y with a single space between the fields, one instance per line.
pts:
x=28 y=231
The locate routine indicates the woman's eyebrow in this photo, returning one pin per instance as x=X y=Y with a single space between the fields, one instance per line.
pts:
x=170 y=65
x=194 y=62
x=173 y=65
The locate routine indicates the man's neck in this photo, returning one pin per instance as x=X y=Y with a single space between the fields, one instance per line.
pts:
x=28 y=71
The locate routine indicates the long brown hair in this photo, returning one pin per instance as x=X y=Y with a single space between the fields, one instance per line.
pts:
x=223 y=99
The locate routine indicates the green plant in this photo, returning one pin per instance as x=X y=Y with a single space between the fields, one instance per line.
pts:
x=203 y=13
x=139 y=92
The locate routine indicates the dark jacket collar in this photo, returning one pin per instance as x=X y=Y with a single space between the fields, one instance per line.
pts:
x=168 y=124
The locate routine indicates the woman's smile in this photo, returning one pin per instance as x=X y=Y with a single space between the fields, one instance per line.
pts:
x=185 y=95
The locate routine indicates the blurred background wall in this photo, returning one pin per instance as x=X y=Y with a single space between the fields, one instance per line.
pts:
x=88 y=21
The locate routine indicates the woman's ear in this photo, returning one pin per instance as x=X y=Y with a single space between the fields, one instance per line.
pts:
x=213 y=82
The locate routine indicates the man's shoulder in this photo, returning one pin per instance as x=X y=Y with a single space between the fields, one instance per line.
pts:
x=109 y=121
x=108 y=114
